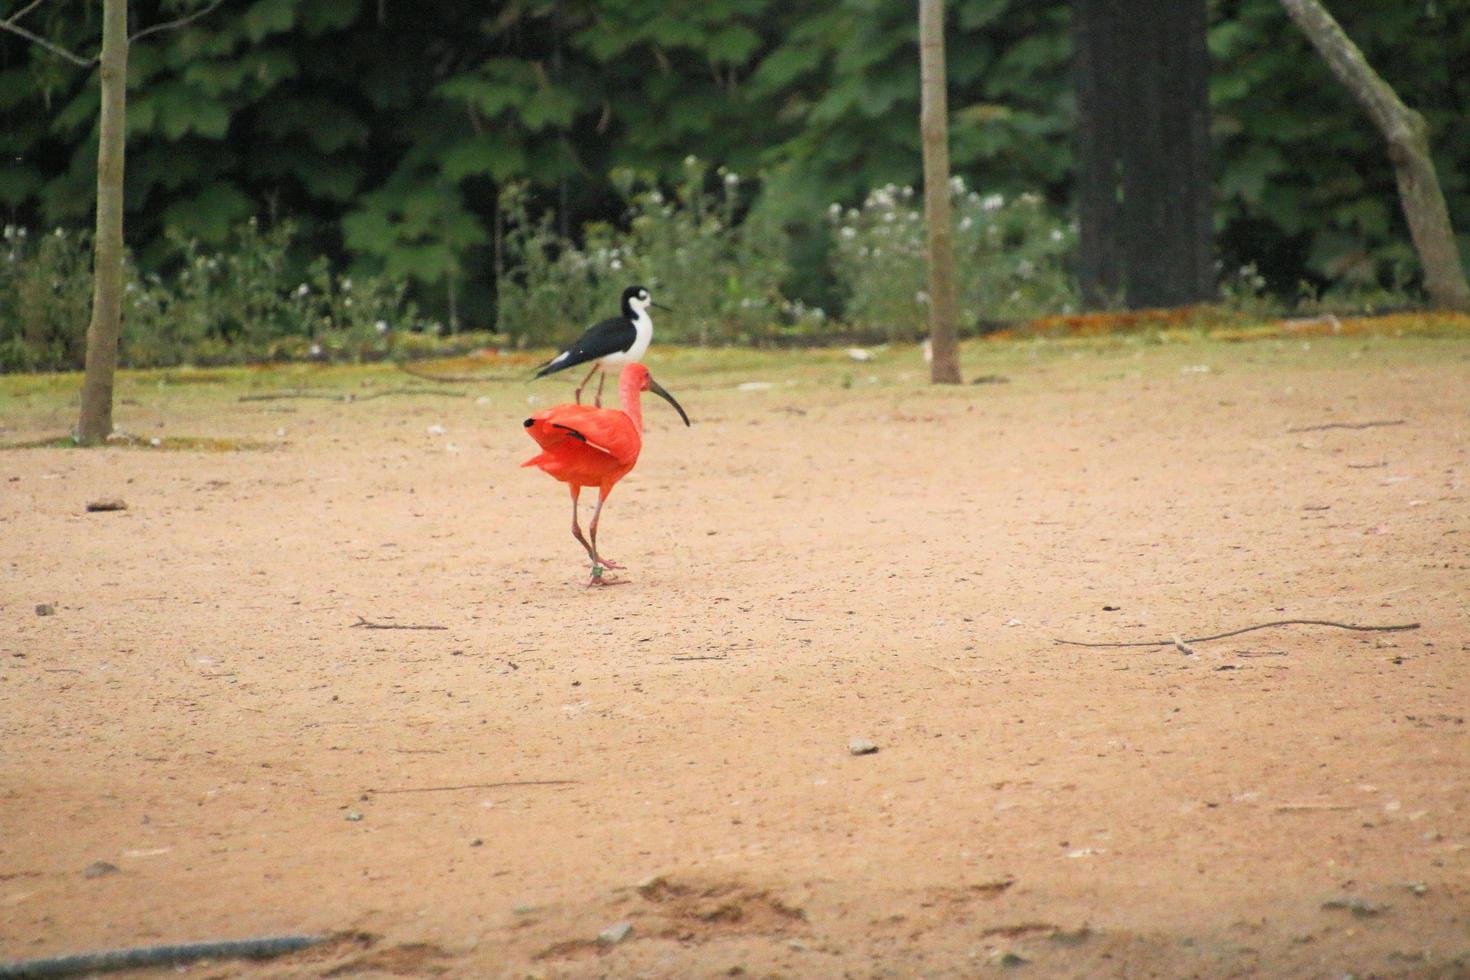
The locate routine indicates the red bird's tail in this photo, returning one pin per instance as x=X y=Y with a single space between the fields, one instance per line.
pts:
x=550 y=437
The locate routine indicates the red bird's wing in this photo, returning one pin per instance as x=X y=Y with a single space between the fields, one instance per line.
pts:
x=609 y=430
x=605 y=429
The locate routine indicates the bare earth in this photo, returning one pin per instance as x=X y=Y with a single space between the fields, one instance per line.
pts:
x=844 y=554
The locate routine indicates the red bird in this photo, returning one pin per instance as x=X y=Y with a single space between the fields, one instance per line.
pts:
x=583 y=446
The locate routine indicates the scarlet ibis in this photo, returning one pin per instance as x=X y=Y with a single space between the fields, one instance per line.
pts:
x=583 y=446
x=617 y=340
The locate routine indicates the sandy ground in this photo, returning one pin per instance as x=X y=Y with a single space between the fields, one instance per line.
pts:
x=844 y=554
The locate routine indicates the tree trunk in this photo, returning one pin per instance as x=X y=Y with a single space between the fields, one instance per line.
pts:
x=105 y=329
x=1407 y=136
x=1167 y=220
x=1096 y=27
x=1143 y=152
x=934 y=127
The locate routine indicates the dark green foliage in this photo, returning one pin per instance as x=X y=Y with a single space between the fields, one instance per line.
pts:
x=386 y=130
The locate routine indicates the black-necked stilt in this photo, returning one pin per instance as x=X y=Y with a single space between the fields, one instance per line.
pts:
x=617 y=340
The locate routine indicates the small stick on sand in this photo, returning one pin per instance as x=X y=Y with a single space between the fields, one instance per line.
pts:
x=1347 y=425
x=448 y=789
x=392 y=626
x=1220 y=636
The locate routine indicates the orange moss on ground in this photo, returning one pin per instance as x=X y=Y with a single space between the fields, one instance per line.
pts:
x=1226 y=325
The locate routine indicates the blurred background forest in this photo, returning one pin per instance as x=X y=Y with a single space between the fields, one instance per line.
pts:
x=305 y=173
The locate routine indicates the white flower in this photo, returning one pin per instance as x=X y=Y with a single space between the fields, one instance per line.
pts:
x=732 y=178
x=615 y=265
x=966 y=222
x=381 y=326
x=1056 y=234
x=848 y=231
x=921 y=298
x=691 y=161
x=993 y=202
x=957 y=184
x=1025 y=268
x=834 y=210
x=303 y=290
x=347 y=285
x=316 y=350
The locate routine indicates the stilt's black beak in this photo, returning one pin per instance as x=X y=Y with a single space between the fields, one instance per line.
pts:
x=660 y=306
x=658 y=389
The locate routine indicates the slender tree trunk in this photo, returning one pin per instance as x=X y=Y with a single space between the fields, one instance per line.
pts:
x=934 y=127
x=1407 y=136
x=105 y=329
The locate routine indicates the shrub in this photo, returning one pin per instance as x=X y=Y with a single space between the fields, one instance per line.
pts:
x=1010 y=260
x=720 y=271
x=45 y=299
x=249 y=300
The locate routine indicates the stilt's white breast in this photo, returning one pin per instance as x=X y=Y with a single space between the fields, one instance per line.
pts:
x=643 y=325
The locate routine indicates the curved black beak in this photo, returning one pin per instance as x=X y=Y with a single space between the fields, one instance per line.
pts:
x=660 y=306
x=658 y=389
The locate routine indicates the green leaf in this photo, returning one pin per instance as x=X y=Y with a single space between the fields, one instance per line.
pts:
x=210 y=214
x=267 y=17
x=500 y=157
x=732 y=45
x=18 y=184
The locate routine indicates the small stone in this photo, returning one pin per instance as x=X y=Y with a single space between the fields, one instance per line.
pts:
x=105 y=504
x=861 y=746
x=1012 y=959
x=615 y=934
x=353 y=816
x=652 y=885
x=477 y=842
x=523 y=908
x=1360 y=907
x=45 y=609
x=99 y=868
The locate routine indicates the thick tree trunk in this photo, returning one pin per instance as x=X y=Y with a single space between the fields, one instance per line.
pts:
x=934 y=128
x=1096 y=28
x=1143 y=152
x=1407 y=136
x=105 y=329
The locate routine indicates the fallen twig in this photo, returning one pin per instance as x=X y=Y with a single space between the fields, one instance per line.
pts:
x=365 y=624
x=447 y=789
x=153 y=956
x=1347 y=425
x=459 y=379
x=1312 y=807
x=719 y=657
x=350 y=396
x=1220 y=636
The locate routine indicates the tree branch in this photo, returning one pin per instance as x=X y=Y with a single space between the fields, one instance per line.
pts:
x=56 y=49
x=184 y=21
x=24 y=10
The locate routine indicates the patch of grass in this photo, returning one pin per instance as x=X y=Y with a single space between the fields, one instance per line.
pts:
x=191 y=444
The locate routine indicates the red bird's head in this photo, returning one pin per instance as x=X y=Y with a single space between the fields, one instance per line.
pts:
x=636 y=377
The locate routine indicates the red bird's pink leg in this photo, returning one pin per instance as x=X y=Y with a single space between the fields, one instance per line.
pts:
x=577 y=528
x=601 y=380
x=578 y=393
x=596 y=514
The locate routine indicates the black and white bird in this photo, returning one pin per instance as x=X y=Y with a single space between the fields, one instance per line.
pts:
x=612 y=343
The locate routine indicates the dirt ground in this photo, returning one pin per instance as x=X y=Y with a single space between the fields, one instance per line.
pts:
x=201 y=744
